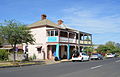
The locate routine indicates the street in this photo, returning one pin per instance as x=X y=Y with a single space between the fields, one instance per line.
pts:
x=99 y=68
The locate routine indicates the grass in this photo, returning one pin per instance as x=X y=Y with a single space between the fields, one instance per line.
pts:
x=20 y=63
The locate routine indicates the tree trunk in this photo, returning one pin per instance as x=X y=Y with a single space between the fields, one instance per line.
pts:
x=14 y=53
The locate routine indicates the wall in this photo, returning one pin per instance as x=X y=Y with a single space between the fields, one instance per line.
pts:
x=18 y=57
x=40 y=40
x=62 y=51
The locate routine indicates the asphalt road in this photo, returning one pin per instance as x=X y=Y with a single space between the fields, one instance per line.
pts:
x=101 y=68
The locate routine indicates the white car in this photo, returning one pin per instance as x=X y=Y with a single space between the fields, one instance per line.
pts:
x=80 y=56
x=110 y=55
x=96 y=56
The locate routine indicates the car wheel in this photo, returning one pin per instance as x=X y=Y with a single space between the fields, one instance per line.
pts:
x=89 y=59
x=82 y=60
x=73 y=60
x=99 y=58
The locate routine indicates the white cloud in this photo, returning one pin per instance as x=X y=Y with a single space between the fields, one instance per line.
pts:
x=92 y=20
x=102 y=23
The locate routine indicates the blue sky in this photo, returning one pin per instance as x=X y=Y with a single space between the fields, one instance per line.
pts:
x=99 y=17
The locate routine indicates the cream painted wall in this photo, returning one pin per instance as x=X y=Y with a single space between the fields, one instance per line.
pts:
x=33 y=50
x=40 y=40
x=39 y=35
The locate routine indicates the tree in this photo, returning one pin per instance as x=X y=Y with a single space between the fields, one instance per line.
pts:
x=15 y=33
x=117 y=45
x=111 y=45
x=88 y=50
x=116 y=50
x=102 y=49
x=1 y=40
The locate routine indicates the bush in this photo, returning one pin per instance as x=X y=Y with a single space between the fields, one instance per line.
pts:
x=34 y=56
x=31 y=58
x=4 y=54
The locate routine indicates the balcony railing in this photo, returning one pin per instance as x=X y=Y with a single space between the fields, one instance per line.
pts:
x=66 y=40
x=63 y=39
x=84 y=42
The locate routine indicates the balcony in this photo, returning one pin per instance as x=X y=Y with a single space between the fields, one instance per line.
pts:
x=64 y=36
x=60 y=39
x=84 y=42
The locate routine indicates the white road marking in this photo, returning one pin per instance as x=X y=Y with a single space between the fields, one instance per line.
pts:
x=117 y=61
x=96 y=67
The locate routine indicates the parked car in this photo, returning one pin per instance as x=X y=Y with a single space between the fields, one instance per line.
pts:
x=96 y=56
x=116 y=55
x=80 y=56
x=110 y=55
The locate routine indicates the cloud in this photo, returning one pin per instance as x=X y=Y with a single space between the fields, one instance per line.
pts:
x=102 y=22
x=92 y=20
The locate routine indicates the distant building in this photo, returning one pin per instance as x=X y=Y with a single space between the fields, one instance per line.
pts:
x=55 y=40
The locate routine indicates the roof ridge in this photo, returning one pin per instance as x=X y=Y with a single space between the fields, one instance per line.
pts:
x=43 y=22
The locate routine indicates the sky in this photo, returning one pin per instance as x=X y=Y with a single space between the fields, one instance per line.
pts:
x=101 y=18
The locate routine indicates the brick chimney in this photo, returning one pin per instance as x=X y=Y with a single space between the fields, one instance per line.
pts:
x=43 y=16
x=60 y=22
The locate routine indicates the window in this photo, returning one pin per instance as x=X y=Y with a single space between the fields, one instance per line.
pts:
x=52 y=33
x=39 y=49
x=71 y=35
x=48 y=32
x=84 y=54
x=56 y=33
x=63 y=34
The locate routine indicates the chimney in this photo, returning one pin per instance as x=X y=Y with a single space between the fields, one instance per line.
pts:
x=60 y=22
x=43 y=16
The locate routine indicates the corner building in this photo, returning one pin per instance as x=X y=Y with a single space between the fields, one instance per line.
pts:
x=56 y=40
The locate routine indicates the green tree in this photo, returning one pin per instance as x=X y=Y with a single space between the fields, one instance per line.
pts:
x=88 y=50
x=15 y=33
x=111 y=45
x=1 y=40
x=102 y=49
x=116 y=50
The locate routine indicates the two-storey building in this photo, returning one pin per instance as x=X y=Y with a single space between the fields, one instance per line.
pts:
x=56 y=40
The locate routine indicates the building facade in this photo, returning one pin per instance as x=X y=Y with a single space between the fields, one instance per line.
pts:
x=56 y=40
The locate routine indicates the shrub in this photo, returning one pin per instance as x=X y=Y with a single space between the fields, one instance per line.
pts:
x=34 y=56
x=4 y=54
x=31 y=58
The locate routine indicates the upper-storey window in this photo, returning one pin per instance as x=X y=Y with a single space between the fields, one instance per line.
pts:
x=52 y=33
x=48 y=33
x=71 y=35
x=56 y=33
x=63 y=34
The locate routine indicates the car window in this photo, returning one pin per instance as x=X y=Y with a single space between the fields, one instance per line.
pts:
x=84 y=54
x=94 y=54
x=109 y=54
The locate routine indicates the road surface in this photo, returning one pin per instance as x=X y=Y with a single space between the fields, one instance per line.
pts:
x=100 y=68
